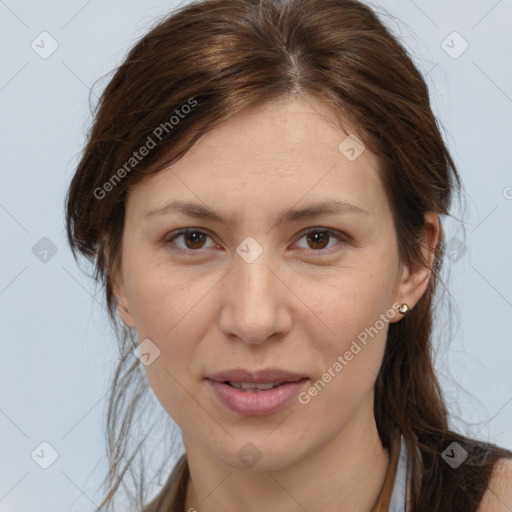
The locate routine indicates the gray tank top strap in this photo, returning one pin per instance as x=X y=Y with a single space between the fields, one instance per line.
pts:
x=398 y=502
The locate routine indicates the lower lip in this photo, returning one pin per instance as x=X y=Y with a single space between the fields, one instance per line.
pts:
x=256 y=403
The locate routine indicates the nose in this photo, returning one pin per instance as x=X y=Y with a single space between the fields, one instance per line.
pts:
x=256 y=302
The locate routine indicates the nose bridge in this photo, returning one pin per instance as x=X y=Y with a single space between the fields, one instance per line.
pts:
x=254 y=279
x=253 y=274
x=253 y=306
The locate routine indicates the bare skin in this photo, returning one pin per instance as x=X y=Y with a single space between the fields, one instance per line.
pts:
x=298 y=306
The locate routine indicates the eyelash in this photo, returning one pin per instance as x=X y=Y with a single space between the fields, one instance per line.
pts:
x=332 y=233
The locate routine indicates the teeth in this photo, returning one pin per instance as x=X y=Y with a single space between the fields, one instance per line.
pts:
x=251 y=386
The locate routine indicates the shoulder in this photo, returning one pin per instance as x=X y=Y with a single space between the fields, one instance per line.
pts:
x=498 y=496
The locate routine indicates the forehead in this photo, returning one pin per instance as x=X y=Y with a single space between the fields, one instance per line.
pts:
x=275 y=155
x=278 y=132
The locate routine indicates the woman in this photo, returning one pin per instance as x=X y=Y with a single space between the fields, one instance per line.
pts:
x=261 y=193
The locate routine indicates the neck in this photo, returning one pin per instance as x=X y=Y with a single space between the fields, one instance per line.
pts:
x=345 y=474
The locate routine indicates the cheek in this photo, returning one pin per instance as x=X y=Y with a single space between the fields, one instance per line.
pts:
x=167 y=308
x=158 y=295
x=164 y=312
x=349 y=301
x=350 y=330
x=161 y=317
x=351 y=361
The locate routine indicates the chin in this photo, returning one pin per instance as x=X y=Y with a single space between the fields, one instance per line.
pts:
x=259 y=452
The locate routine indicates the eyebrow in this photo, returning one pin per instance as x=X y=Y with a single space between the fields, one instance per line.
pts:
x=199 y=211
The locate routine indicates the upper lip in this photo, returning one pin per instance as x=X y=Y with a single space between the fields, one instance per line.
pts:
x=256 y=376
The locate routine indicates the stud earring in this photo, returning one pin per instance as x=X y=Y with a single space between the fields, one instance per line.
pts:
x=126 y=309
x=404 y=308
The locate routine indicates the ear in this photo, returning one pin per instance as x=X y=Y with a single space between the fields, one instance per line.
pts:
x=413 y=279
x=123 y=305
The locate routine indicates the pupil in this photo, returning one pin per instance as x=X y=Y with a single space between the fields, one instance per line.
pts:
x=316 y=235
x=194 y=235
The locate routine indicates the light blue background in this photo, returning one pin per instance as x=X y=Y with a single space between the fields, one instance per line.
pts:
x=58 y=352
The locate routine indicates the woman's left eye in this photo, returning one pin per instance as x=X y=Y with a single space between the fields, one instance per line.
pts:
x=319 y=236
x=194 y=239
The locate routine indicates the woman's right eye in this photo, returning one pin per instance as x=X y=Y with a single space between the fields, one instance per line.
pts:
x=196 y=237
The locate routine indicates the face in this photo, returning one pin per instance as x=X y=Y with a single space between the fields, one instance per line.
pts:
x=308 y=295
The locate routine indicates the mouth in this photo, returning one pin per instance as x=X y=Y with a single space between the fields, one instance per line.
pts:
x=257 y=393
x=267 y=376
x=252 y=387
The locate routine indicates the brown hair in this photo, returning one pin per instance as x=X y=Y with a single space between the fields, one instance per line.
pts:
x=219 y=57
